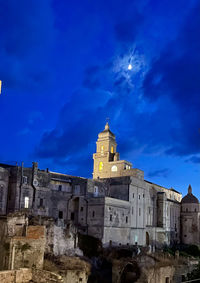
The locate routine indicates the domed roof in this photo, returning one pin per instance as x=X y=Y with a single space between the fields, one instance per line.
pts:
x=107 y=130
x=190 y=198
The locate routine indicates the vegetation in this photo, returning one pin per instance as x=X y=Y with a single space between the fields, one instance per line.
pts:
x=185 y=250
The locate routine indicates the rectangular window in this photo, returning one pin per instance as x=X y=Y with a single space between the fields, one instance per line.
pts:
x=93 y=213
x=139 y=196
x=133 y=195
x=149 y=210
x=139 y=211
x=25 y=180
x=72 y=216
x=81 y=208
x=143 y=195
x=96 y=191
x=111 y=217
x=77 y=190
x=60 y=214
x=60 y=188
x=41 y=201
x=26 y=202
x=126 y=219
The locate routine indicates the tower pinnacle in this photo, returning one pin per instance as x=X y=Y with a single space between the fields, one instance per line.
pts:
x=107 y=127
x=189 y=190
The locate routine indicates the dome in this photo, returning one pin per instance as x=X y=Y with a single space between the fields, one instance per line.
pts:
x=107 y=130
x=190 y=198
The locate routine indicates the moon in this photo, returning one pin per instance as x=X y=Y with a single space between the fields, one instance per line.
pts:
x=130 y=67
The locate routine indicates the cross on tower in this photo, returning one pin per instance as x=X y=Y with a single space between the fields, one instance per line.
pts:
x=107 y=119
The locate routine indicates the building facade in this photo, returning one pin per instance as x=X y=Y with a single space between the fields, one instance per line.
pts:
x=118 y=205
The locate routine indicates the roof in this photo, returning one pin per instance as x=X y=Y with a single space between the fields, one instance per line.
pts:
x=107 y=130
x=190 y=198
x=171 y=189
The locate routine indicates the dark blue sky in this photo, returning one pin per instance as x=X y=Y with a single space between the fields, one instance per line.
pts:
x=64 y=67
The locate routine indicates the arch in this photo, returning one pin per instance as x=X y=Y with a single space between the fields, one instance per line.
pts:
x=130 y=273
x=147 y=239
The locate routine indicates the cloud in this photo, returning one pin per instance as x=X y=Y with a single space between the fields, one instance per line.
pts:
x=153 y=108
x=193 y=159
x=175 y=74
x=26 y=34
x=160 y=173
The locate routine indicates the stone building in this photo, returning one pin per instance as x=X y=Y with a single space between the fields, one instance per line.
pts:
x=190 y=219
x=20 y=245
x=118 y=205
x=135 y=210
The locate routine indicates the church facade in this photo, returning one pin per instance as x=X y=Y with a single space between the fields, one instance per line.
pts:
x=118 y=205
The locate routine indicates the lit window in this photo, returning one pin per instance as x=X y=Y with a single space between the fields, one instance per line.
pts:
x=102 y=149
x=26 y=202
x=112 y=149
x=114 y=168
x=100 y=166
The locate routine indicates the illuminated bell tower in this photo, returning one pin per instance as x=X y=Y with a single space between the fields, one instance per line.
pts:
x=105 y=153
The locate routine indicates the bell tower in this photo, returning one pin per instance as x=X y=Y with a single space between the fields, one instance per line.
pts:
x=106 y=159
x=105 y=152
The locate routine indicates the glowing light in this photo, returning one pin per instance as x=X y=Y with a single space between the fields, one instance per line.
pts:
x=0 y=86
x=130 y=67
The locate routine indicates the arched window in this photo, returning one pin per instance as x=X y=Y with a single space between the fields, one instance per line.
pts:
x=114 y=168
x=100 y=166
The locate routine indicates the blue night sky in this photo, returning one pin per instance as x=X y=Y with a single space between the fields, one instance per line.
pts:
x=64 y=68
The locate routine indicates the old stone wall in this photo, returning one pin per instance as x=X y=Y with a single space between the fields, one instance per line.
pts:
x=28 y=251
x=4 y=178
x=65 y=242
x=43 y=276
x=22 y=275
x=75 y=276
x=25 y=275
